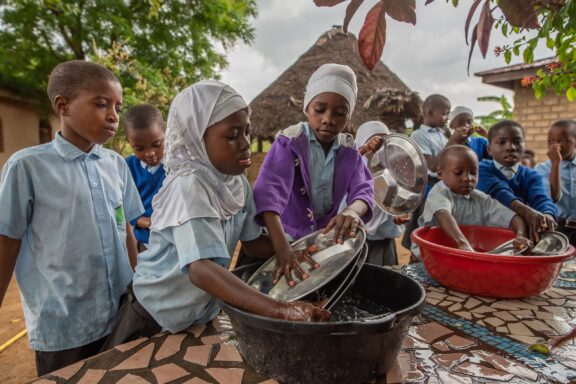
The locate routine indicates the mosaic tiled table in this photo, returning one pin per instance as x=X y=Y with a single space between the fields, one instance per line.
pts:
x=458 y=339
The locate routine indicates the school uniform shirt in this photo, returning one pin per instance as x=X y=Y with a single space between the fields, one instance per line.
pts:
x=69 y=208
x=431 y=141
x=161 y=283
x=477 y=208
x=567 y=203
x=520 y=182
x=480 y=146
x=284 y=183
x=148 y=180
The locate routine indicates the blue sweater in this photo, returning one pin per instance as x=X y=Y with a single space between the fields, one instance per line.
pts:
x=480 y=146
x=148 y=185
x=526 y=186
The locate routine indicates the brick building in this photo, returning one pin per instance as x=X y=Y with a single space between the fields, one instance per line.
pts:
x=536 y=116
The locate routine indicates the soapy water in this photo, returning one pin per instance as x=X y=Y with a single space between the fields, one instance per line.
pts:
x=355 y=307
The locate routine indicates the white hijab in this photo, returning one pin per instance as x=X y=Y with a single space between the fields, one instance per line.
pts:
x=369 y=129
x=209 y=193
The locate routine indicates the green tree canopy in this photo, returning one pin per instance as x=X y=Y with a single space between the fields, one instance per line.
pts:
x=155 y=47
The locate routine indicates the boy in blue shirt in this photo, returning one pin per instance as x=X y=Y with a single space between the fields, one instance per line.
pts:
x=144 y=128
x=63 y=228
x=559 y=174
x=517 y=187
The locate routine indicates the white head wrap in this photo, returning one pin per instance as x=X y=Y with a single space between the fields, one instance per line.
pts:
x=334 y=78
x=369 y=129
x=192 y=111
x=458 y=111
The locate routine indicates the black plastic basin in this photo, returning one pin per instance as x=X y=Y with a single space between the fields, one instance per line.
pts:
x=332 y=352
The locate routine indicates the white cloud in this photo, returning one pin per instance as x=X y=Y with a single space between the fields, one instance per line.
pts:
x=430 y=57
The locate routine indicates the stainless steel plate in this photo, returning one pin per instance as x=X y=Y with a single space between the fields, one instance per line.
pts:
x=349 y=280
x=551 y=243
x=506 y=249
x=400 y=175
x=332 y=260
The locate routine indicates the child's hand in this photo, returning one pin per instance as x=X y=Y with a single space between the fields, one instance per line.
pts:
x=371 y=145
x=290 y=260
x=466 y=247
x=401 y=219
x=302 y=311
x=345 y=225
x=480 y=130
x=551 y=223
x=554 y=153
x=143 y=222
x=537 y=223
x=521 y=243
x=461 y=133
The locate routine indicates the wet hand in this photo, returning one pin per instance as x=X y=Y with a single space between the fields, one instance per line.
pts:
x=345 y=225
x=466 y=247
x=402 y=219
x=520 y=242
x=554 y=153
x=537 y=223
x=551 y=224
x=371 y=145
x=302 y=311
x=288 y=261
x=461 y=133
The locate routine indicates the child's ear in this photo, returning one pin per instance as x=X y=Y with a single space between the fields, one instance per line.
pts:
x=439 y=173
x=61 y=104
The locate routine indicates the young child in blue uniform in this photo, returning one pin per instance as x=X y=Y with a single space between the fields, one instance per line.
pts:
x=462 y=127
x=454 y=201
x=144 y=128
x=559 y=174
x=383 y=228
x=64 y=227
x=517 y=187
x=203 y=209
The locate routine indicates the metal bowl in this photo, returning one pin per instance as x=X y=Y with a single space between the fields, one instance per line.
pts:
x=551 y=243
x=333 y=260
x=400 y=175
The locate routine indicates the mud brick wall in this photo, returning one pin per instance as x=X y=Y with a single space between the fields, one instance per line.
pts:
x=536 y=116
x=252 y=172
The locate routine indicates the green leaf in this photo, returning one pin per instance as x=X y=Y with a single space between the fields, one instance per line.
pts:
x=507 y=56
x=571 y=94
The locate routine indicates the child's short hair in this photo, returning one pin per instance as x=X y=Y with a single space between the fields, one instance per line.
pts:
x=67 y=78
x=568 y=124
x=433 y=102
x=142 y=116
x=501 y=125
x=456 y=149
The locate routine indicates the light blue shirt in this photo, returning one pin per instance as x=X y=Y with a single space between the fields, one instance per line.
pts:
x=431 y=141
x=161 y=283
x=321 y=168
x=508 y=172
x=477 y=208
x=69 y=208
x=567 y=202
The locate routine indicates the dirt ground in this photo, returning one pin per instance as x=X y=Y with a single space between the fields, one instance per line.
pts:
x=17 y=361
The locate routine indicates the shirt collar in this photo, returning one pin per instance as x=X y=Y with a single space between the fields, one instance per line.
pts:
x=566 y=163
x=70 y=152
x=312 y=138
x=429 y=128
x=499 y=166
x=151 y=169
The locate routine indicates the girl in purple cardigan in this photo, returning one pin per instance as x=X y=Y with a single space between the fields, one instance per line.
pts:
x=311 y=168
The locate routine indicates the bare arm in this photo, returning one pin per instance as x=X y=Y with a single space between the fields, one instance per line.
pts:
x=518 y=225
x=224 y=285
x=260 y=247
x=449 y=225
x=537 y=222
x=431 y=162
x=131 y=246
x=287 y=257
x=555 y=157
x=9 y=249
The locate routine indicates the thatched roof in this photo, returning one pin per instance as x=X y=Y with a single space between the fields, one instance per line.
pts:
x=280 y=105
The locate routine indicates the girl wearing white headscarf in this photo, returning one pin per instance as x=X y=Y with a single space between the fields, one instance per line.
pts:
x=461 y=123
x=203 y=209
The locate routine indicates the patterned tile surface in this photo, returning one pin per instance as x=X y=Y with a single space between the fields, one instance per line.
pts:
x=457 y=339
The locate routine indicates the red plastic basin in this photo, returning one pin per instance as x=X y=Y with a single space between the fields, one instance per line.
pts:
x=483 y=274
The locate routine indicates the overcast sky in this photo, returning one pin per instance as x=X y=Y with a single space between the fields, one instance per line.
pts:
x=429 y=57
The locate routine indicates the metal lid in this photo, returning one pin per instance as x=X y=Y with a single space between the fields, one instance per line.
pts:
x=332 y=260
x=400 y=175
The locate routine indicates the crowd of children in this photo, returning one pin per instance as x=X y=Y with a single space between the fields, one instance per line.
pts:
x=182 y=201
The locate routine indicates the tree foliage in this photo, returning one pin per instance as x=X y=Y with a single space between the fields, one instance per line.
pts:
x=155 y=47
x=503 y=113
x=553 y=20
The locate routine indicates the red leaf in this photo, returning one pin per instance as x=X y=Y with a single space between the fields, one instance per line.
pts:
x=472 y=45
x=401 y=10
x=327 y=3
x=469 y=18
x=372 y=36
x=428 y=2
x=350 y=11
x=520 y=13
x=484 y=27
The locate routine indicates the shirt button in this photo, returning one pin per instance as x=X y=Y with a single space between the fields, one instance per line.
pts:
x=94 y=184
